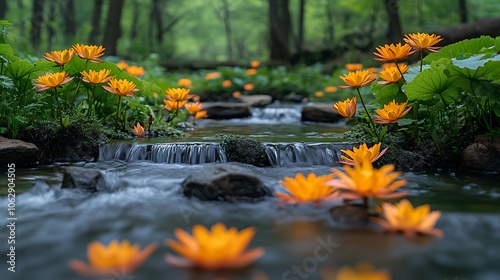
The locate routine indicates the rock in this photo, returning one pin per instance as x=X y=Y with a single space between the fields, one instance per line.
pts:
x=245 y=150
x=483 y=155
x=404 y=159
x=256 y=100
x=295 y=98
x=18 y=152
x=225 y=110
x=350 y=215
x=224 y=182
x=320 y=113
x=83 y=178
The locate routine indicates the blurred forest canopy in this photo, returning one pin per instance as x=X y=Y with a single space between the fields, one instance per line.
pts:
x=231 y=31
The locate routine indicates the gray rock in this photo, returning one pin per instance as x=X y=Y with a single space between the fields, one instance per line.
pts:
x=256 y=100
x=19 y=152
x=320 y=113
x=245 y=150
x=483 y=155
x=224 y=182
x=82 y=178
x=225 y=110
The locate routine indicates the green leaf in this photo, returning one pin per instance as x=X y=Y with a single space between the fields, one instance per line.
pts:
x=386 y=93
x=476 y=67
x=19 y=69
x=403 y=122
x=6 y=49
x=6 y=82
x=479 y=45
x=432 y=82
x=413 y=72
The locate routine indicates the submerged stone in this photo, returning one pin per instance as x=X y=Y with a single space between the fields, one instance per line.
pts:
x=224 y=182
x=18 y=152
x=245 y=150
x=82 y=178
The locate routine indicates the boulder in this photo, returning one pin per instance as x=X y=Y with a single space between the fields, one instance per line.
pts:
x=320 y=113
x=256 y=100
x=226 y=110
x=224 y=182
x=245 y=150
x=19 y=152
x=82 y=178
x=483 y=155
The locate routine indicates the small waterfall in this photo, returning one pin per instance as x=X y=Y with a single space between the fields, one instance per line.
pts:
x=276 y=114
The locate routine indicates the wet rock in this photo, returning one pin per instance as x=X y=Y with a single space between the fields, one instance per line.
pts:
x=222 y=110
x=350 y=215
x=82 y=178
x=19 y=152
x=295 y=98
x=245 y=150
x=320 y=113
x=256 y=100
x=483 y=155
x=224 y=182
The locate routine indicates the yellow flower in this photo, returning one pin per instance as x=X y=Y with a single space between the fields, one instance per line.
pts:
x=236 y=94
x=357 y=79
x=404 y=218
x=114 y=258
x=330 y=89
x=248 y=87
x=136 y=71
x=307 y=189
x=173 y=105
x=178 y=94
x=60 y=57
x=121 y=87
x=255 y=64
x=212 y=75
x=423 y=41
x=362 y=154
x=196 y=98
x=89 y=52
x=251 y=72
x=215 y=249
x=347 y=108
x=139 y=130
x=184 y=82
x=391 y=112
x=51 y=80
x=391 y=53
x=319 y=94
x=362 y=271
x=353 y=66
x=363 y=181
x=392 y=75
x=227 y=83
x=194 y=108
x=392 y=64
x=122 y=65
x=94 y=77
x=200 y=115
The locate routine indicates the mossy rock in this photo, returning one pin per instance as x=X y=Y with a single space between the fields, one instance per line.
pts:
x=245 y=150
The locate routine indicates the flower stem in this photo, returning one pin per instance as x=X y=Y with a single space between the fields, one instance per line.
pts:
x=59 y=109
x=372 y=125
x=118 y=111
x=91 y=101
x=421 y=59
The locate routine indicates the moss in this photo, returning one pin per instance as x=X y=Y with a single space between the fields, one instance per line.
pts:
x=245 y=150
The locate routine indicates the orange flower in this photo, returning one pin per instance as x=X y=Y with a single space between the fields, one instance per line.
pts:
x=51 y=80
x=248 y=87
x=251 y=72
x=307 y=190
x=255 y=64
x=362 y=154
x=212 y=75
x=357 y=79
x=178 y=94
x=200 y=115
x=194 y=108
x=121 y=87
x=330 y=89
x=236 y=94
x=60 y=57
x=173 y=105
x=196 y=98
x=347 y=108
x=391 y=112
x=363 y=181
x=139 y=130
x=227 y=83
x=362 y=271
x=215 y=249
x=392 y=64
x=184 y=82
x=353 y=66
x=122 y=65
x=392 y=75
x=404 y=218
x=423 y=41
x=319 y=94
x=135 y=70
x=114 y=258
x=94 y=77
x=89 y=52
x=391 y=53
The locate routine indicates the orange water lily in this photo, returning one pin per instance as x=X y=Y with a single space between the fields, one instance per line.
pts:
x=227 y=83
x=122 y=65
x=60 y=57
x=248 y=87
x=139 y=130
x=194 y=107
x=364 y=181
x=392 y=53
x=178 y=94
x=362 y=271
x=121 y=87
x=215 y=249
x=251 y=72
x=402 y=217
x=236 y=94
x=173 y=105
x=51 y=80
x=319 y=94
x=357 y=79
x=392 y=75
x=136 y=71
x=116 y=258
x=423 y=41
x=96 y=77
x=346 y=108
x=184 y=82
x=255 y=64
x=212 y=75
x=201 y=115
x=89 y=52
x=330 y=89
x=391 y=112
x=362 y=154
x=353 y=66
x=307 y=189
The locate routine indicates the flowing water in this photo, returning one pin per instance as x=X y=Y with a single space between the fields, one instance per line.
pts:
x=142 y=202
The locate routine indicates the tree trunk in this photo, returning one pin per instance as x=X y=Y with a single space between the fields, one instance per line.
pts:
x=51 y=32
x=37 y=23
x=113 y=32
x=279 y=29
x=300 y=37
x=394 y=32
x=329 y=29
x=490 y=27
x=462 y=9
x=68 y=13
x=223 y=13
x=135 y=19
x=96 y=20
x=3 y=8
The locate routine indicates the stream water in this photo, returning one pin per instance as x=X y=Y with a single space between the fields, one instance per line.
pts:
x=142 y=202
